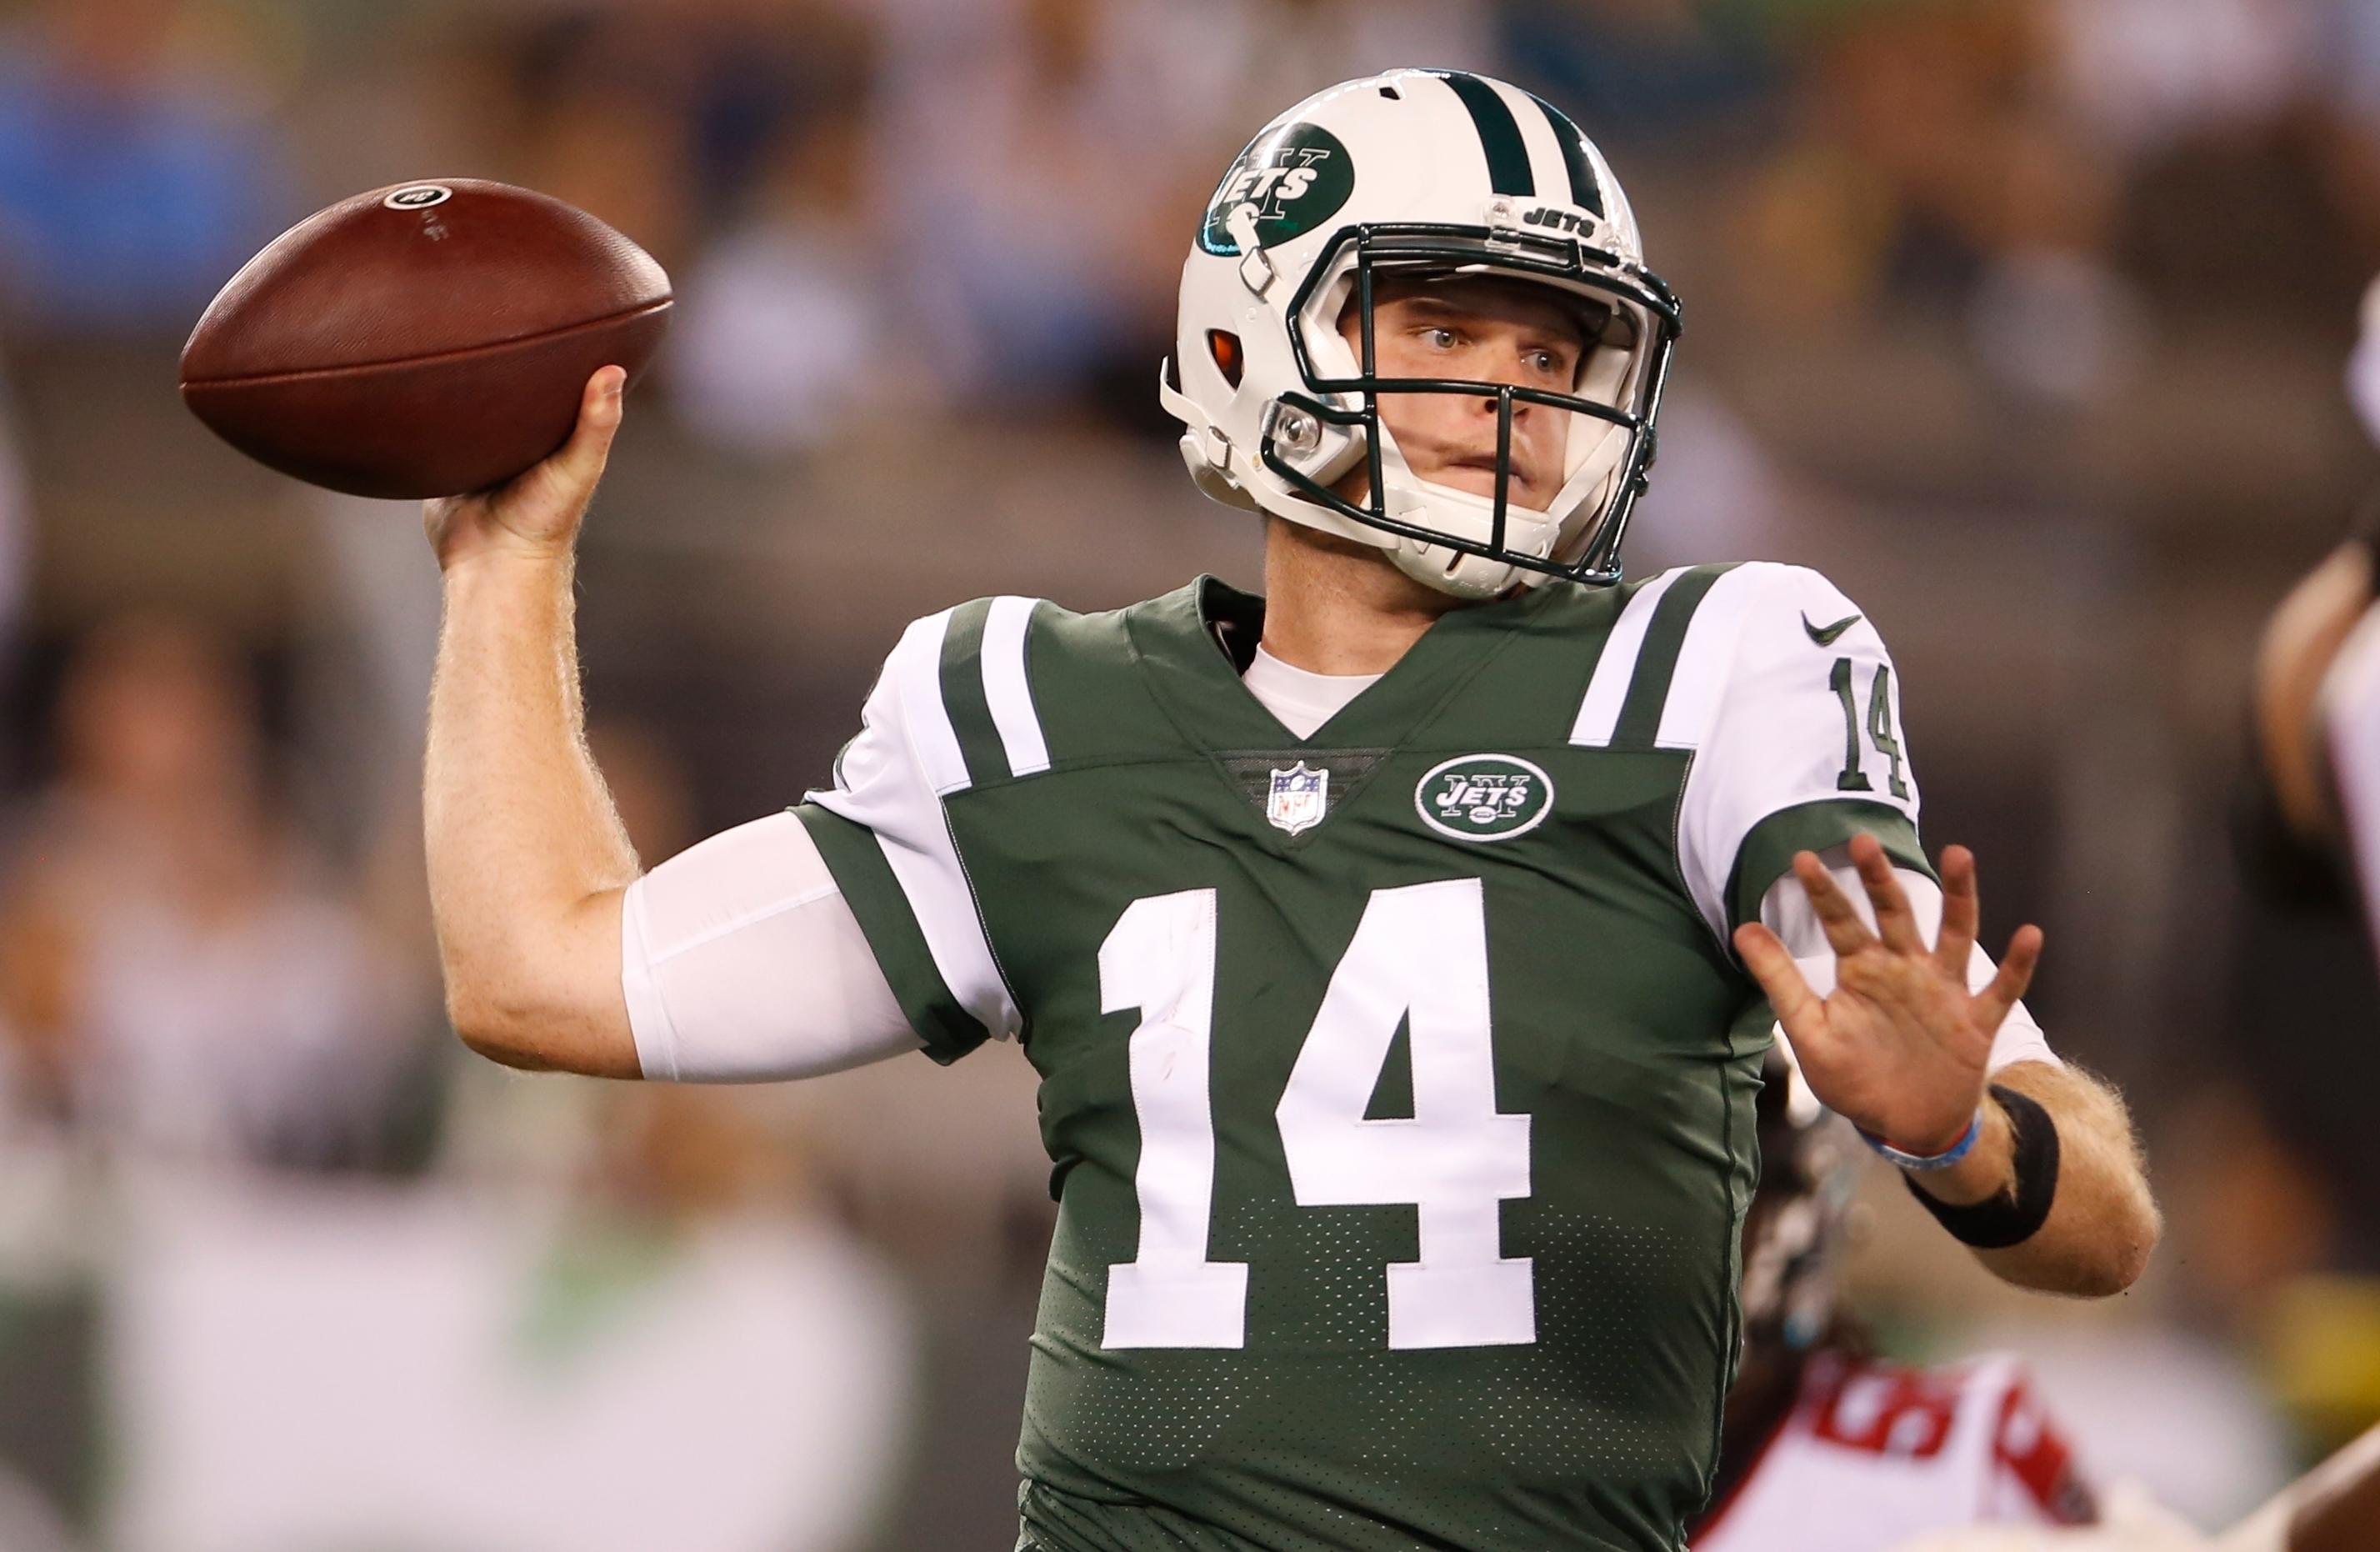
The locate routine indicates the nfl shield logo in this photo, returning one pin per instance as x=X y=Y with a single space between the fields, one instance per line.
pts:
x=1298 y=798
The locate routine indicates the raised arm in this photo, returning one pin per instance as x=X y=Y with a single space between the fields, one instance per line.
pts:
x=1804 y=756
x=527 y=859
x=740 y=960
x=2034 y=1167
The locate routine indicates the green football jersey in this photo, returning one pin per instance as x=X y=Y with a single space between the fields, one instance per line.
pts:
x=1398 y=1080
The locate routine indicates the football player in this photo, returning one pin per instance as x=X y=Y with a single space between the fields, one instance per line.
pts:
x=1396 y=950
x=1826 y=1449
x=2312 y=828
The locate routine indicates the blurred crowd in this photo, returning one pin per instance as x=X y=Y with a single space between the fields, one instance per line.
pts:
x=2023 y=319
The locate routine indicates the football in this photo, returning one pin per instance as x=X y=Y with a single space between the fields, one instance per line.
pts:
x=422 y=339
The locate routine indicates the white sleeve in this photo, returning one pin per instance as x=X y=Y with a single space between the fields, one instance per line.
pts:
x=741 y=962
x=1787 y=912
x=1784 y=691
x=2351 y=709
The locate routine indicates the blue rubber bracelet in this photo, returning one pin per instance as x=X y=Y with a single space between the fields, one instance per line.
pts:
x=1957 y=1151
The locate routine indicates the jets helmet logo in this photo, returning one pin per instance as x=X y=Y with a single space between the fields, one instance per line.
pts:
x=1295 y=177
x=1485 y=797
x=1298 y=799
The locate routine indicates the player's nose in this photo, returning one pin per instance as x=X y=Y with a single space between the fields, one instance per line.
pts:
x=1506 y=366
x=1491 y=405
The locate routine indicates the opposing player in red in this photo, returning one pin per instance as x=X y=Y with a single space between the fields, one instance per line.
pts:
x=1827 y=1450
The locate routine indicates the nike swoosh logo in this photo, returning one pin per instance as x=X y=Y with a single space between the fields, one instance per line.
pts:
x=1825 y=634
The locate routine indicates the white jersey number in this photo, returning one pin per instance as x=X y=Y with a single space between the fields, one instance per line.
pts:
x=1419 y=959
x=1160 y=958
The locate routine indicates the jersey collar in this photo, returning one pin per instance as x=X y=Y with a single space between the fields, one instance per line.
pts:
x=1194 y=643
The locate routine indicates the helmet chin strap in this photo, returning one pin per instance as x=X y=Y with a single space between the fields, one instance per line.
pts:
x=1428 y=504
x=1440 y=566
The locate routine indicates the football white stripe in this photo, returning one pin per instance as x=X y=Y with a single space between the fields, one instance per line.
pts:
x=1007 y=690
x=917 y=669
x=938 y=895
x=1598 y=714
x=1704 y=659
x=924 y=859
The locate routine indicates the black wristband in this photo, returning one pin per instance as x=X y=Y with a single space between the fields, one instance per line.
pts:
x=2016 y=1213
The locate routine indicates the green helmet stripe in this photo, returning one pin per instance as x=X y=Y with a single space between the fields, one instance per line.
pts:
x=1500 y=132
x=1656 y=661
x=1586 y=192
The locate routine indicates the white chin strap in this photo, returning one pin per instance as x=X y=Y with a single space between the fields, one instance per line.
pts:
x=1594 y=466
x=1468 y=516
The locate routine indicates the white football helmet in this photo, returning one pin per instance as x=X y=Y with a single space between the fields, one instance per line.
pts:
x=1424 y=174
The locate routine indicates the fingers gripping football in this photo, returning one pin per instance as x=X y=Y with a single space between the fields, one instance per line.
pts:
x=1900 y=1046
x=537 y=514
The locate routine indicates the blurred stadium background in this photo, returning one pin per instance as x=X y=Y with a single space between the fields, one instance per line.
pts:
x=2023 y=319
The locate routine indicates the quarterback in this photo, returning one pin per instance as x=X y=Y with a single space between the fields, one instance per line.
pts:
x=1396 y=950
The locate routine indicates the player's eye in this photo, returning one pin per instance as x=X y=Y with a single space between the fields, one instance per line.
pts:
x=1439 y=337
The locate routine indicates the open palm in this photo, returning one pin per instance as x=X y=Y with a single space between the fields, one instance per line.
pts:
x=1900 y=1046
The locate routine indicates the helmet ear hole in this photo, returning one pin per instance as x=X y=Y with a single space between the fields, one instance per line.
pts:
x=1224 y=346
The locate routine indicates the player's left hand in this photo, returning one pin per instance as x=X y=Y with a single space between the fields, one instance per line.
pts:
x=1901 y=1047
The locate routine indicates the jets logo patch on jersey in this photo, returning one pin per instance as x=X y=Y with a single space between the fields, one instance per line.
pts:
x=1483 y=796
x=1298 y=798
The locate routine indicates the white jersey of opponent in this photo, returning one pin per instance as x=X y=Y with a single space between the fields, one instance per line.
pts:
x=1872 y=1455
x=741 y=960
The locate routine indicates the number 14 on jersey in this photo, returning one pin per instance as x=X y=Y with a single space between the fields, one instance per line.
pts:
x=1419 y=958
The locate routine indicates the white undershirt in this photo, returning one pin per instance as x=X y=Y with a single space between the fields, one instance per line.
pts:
x=1299 y=699
x=741 y=963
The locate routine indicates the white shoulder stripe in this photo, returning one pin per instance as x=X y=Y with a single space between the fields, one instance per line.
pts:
x=892 y=780
x=1007 y=690
x=1705 y=658
x=1598 y=714
x=915 y=666
x=934 y=882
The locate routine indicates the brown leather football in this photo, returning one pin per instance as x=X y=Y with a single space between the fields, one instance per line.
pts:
x=423 y=339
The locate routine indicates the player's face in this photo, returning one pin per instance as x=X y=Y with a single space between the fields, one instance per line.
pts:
x=1485 y=330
